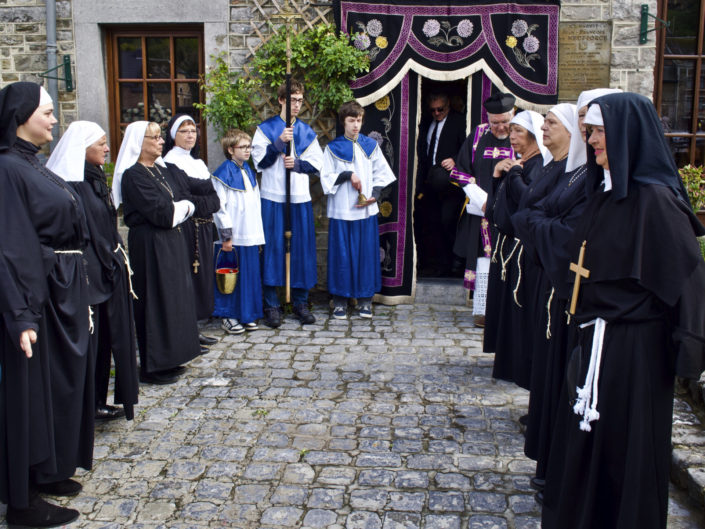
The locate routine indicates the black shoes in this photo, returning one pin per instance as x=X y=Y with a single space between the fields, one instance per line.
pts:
x=104 y=412
x=538 y=484
x=303 y=314
x=159 y=378
x=67 y=487
x=40 y=513
x=205 y=350
x=206 y=340
x=272 y=317
x=175 y=371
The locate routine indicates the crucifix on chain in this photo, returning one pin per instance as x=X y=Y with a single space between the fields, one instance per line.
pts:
x=580 y=272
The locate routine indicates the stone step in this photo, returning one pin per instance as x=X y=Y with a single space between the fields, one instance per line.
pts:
x=441 y=291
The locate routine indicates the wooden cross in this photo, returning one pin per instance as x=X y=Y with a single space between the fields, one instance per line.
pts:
x=580 y=271
x=196 y=264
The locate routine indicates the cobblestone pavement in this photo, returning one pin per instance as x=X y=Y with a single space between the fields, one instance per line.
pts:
x=389 y=423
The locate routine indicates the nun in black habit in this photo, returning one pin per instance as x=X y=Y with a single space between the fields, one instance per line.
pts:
x=78 y=158
x=46 y=412
x=639 y=322
x=158 y=198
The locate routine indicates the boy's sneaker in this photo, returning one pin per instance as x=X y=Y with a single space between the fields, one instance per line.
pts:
x=303 y=314
x=252 y=326
x=366 y=310
x=339 y=313
x=272 y=317
x=232 y=326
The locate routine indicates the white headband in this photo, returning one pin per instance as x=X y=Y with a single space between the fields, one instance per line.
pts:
x=177 y=124
x=44 y=97
x=594 y=116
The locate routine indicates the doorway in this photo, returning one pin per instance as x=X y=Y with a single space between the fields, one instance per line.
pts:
x=438 y=203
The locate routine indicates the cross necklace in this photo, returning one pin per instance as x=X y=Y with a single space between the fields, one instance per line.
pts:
x=580 y=272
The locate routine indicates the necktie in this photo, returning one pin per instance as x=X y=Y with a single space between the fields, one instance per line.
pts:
x=432 y=143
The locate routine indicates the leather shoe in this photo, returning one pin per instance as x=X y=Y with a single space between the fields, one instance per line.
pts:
x=479 y=321
x=159 y=378
x=539 y=497
x=205 y=350
x=206 y=340
x=524 y=420
x=272 y=317
x=538 y=484
x=40 y=513
x=175 y=371
x=66 y=487
x=303 y=314
x=104 y=412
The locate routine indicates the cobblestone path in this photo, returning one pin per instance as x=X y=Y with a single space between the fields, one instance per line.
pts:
x=393 y=423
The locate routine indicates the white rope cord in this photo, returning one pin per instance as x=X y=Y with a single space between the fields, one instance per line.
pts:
x=129 y=269
x=91 y=327
x=494 y=255
x=79 y=252
x=586 y=404
x=516 y=288
x=548 y=312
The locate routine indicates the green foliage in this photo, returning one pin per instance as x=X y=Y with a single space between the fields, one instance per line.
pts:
x=229 y=94
x=109 y=169
x=701 y=240
x=323 y=59
x=694 y=185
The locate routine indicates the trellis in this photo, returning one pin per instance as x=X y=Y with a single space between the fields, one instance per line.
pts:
x=265 y=25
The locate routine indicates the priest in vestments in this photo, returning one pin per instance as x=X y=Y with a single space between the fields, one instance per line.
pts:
x=476 y=159
x=639 y=320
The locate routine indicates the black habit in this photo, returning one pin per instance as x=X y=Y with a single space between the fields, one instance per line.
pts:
x=646 y=279
x=46 y=412
x=165 y=313
x=109 y=293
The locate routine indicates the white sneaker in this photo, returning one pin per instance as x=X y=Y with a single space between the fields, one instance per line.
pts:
x=252 y=326
x=232 y=326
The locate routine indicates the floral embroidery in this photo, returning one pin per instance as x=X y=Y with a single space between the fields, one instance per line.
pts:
x=531 y=44
x=362 y=40
x=386 y=208
x=432 y=29
x=374 y=28
x=377 y=137
x=383 y=103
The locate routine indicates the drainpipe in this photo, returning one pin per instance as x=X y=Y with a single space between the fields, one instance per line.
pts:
x=51 y=64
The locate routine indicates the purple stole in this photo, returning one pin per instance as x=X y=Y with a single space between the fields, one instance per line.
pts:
x=462 y=179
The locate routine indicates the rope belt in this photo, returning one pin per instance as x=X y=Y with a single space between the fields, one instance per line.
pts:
x=79 y=252
x=91 y=327
x=548 y=311
x=586 y=404
x=127 y=265
x=516 y=288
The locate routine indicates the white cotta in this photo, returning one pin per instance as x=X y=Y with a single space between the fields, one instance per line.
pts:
x=69 y=156
x=533 y=121
x=130 y=150
x=576 y=154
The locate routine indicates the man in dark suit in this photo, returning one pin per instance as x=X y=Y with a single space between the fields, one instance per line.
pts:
x=438 y=201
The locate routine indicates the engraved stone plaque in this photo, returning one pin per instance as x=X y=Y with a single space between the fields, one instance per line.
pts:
x=583 y=57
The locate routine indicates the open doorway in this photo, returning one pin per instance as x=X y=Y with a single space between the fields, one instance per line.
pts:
x=438 y=203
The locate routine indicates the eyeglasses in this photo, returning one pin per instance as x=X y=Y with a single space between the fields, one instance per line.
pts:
x=244 y=147
x=297 y=100
x=156 y=137
x=187 y=131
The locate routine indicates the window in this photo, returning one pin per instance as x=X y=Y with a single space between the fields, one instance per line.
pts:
x=153 y=74
x=680 y=79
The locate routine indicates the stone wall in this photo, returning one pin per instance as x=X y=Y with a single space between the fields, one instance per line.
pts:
x=23 y=47
x=632 y=65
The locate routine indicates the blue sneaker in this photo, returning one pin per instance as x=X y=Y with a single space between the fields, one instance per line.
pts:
x=366 y=310
x=339 y=313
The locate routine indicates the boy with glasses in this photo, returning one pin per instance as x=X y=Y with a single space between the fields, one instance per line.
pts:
x=306 y=158
x=239 y=223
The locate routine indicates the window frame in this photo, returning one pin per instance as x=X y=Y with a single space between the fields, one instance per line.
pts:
x=112 y=34
x=698 y=91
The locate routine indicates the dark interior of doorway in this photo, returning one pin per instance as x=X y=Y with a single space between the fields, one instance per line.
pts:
x=430 y=264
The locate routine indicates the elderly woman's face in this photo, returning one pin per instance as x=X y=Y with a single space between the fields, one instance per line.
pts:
x=37 y=129
x=186 y=136
x=152 y=143
x=96 y=152
x=521 y=139
x=555 y=136
x=598 y=142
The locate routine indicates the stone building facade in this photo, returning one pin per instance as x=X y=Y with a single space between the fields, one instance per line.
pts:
x=234 y=27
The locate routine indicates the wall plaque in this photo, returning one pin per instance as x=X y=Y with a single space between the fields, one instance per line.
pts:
x=583 y=57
